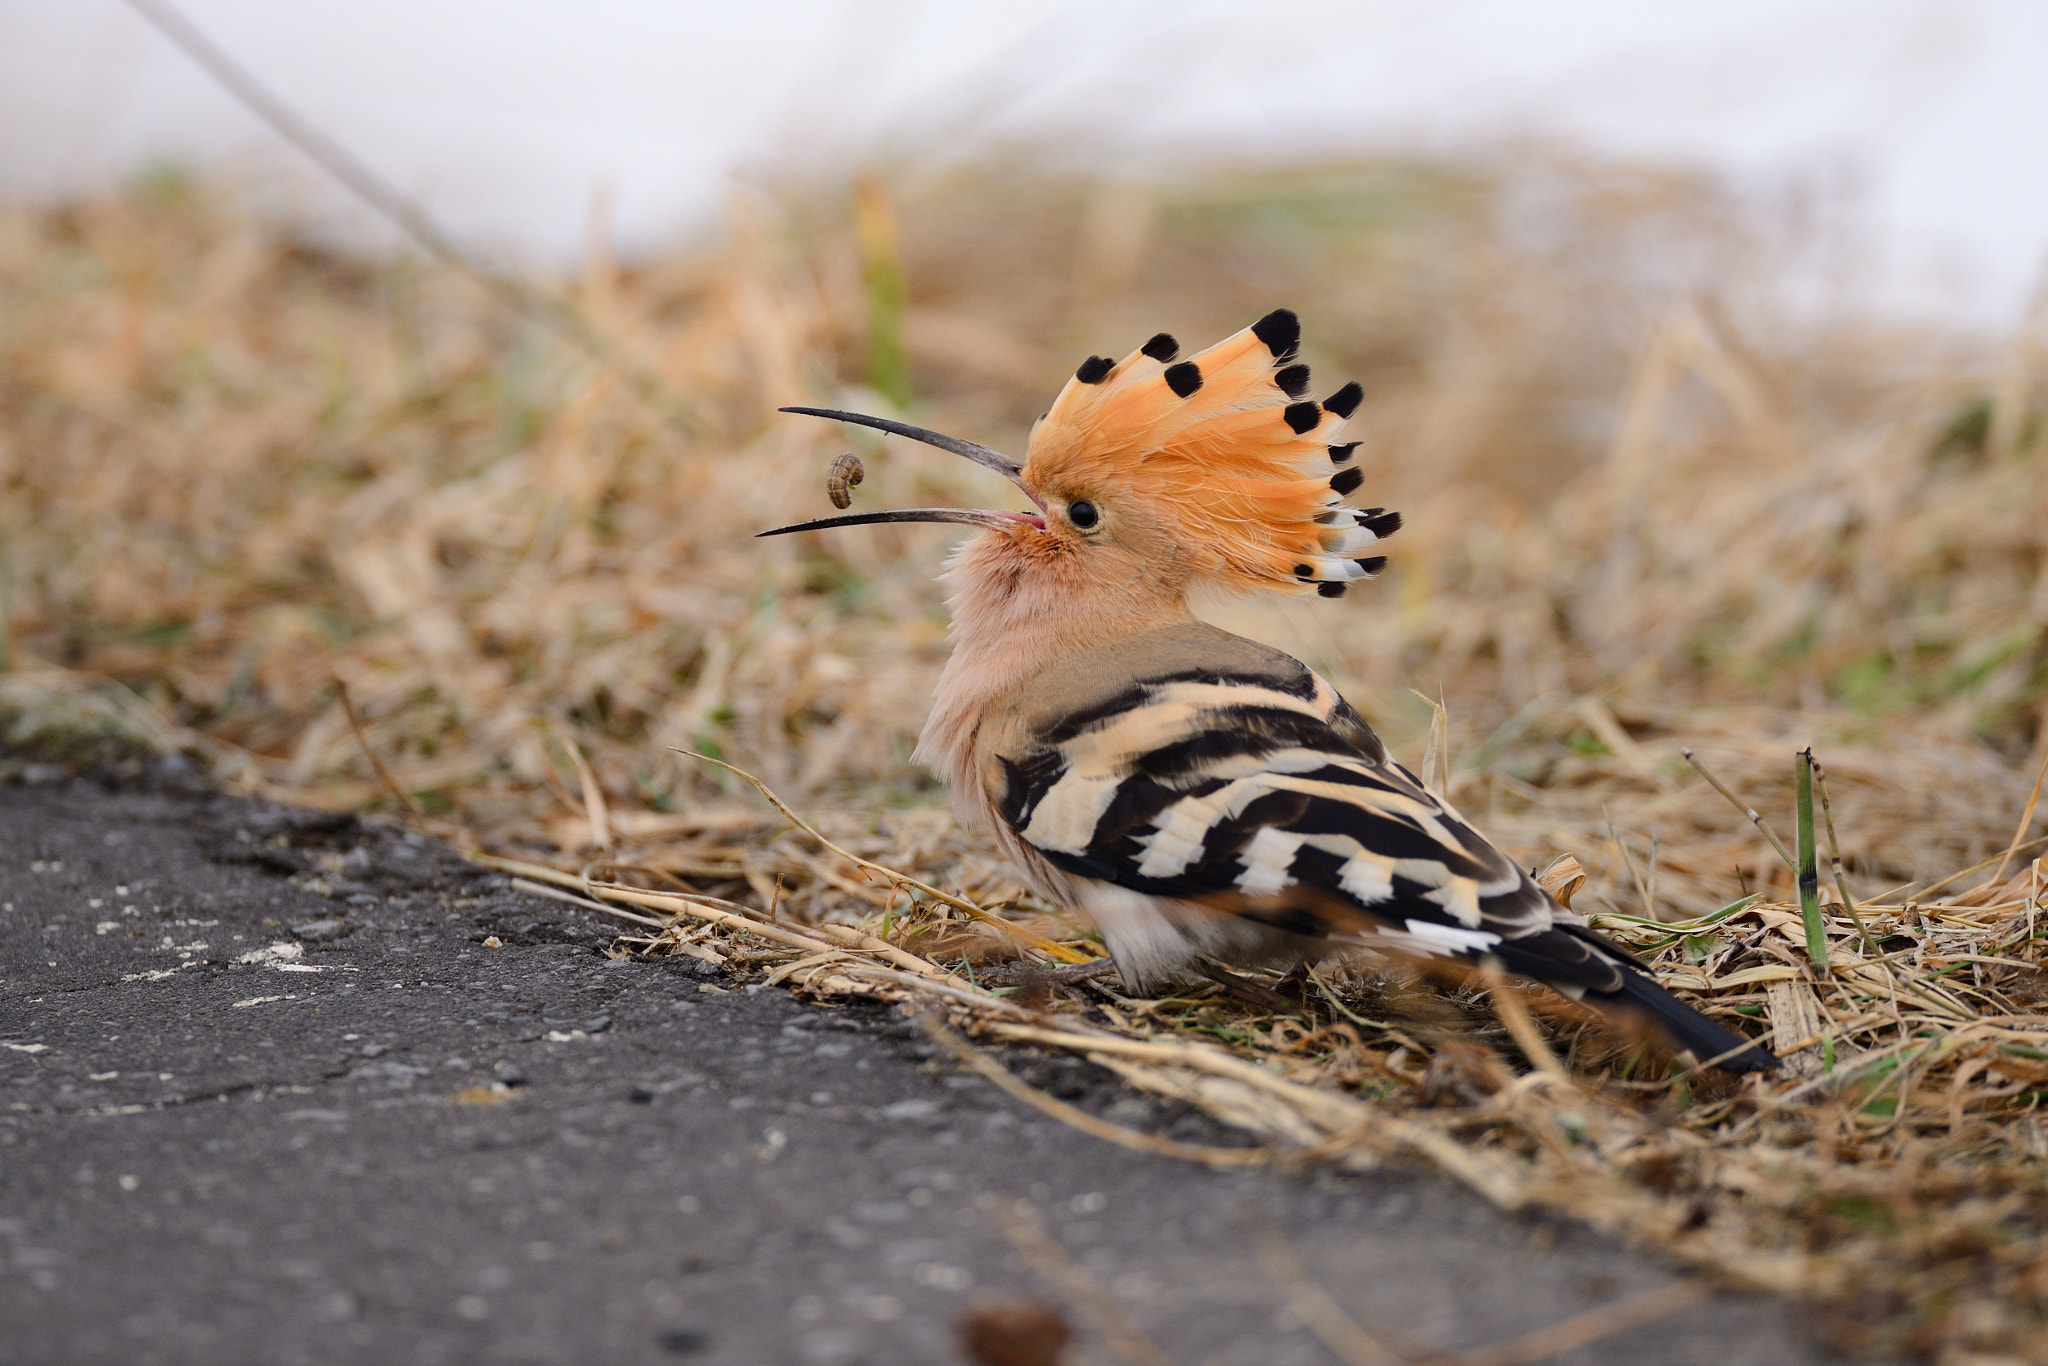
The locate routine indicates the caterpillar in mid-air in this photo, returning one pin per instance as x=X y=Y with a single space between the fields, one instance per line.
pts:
x=846 y=473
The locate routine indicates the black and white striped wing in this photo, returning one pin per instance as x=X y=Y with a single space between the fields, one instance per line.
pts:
x=1278 y=804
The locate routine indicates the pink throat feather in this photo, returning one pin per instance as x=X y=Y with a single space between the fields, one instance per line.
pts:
x=1022 y=600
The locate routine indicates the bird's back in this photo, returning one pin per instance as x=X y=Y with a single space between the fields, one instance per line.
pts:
x=1189 y=670
x=1191 y=764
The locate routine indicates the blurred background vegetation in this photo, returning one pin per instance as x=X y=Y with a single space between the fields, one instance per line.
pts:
x=1653 y=495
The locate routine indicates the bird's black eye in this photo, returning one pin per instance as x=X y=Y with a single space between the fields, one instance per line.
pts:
x=1083 y=514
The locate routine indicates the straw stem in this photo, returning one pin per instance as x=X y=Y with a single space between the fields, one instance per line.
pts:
x=1827 y=814
x=1742 y=806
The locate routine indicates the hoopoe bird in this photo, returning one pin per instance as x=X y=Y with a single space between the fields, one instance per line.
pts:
x=1198 y=795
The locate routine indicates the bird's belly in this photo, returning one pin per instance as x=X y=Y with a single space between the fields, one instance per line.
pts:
x=1150 y=937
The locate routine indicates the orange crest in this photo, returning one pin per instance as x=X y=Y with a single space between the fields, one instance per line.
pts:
x=1224 y=453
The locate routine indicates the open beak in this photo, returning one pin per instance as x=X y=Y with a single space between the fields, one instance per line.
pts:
x=1011 y=469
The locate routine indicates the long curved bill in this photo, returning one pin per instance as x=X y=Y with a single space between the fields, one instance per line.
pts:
x=967 y=516
x=1007 y=466
x=1010 y=468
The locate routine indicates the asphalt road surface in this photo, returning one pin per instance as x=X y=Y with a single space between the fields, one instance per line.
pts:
x=267 y=1096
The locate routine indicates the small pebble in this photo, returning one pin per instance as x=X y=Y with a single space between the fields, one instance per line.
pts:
x=1014 y=1334
x=683 y=1341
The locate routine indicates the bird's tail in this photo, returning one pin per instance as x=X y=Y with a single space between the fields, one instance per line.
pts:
x=1708 y=1041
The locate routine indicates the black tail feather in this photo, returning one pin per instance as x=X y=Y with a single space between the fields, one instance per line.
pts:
x=1689 y=1029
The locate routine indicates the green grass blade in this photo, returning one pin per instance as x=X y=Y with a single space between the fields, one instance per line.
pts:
x=1809 y=867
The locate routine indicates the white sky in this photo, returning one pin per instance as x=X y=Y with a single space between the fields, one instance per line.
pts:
x=505 y=117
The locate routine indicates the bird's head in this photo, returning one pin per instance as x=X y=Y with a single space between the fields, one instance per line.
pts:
x=1212 y=469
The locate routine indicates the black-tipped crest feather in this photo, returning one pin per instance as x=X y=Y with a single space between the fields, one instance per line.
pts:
x=1280 y=330
x=1184 y=379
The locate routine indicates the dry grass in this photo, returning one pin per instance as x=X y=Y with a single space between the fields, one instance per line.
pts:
x=1649 y=506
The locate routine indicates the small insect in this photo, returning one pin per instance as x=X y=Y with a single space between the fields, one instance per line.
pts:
x=846 y=474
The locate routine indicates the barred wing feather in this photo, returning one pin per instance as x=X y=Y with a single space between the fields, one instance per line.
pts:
x=1212 y=788
x=1276 y=803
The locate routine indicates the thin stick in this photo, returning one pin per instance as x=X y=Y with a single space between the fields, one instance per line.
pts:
x=1590 y=1326
x=557 y=315
x=734 y=916
x=1083 y=1291
x=2033 y=801
x=1642 y=888
x=1244 y=989
x=674 y=903
x=594 y=809
x=994 y=1072
x=1827 y=811
x=1349 y=1120
x=922 y=975
x=734 y=920
x=1018 y=932
x=536 y=872
x=814 y=961
x=1345 y=1336
x=1954 y=877
x=1650 y=879
x=880 y=948
x=355 y=723
x=1741 y=806
x=951 y=990
x=1514 y=1013
x=1435 y=761
x=532 y=888
x=1809 y=872
x=339 y=162
x=547 y=768
x=1346 y=1011
x=1842 y=885
x=7 y=595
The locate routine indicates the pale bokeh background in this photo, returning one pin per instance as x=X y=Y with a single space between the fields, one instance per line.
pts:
x=1921 y=125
